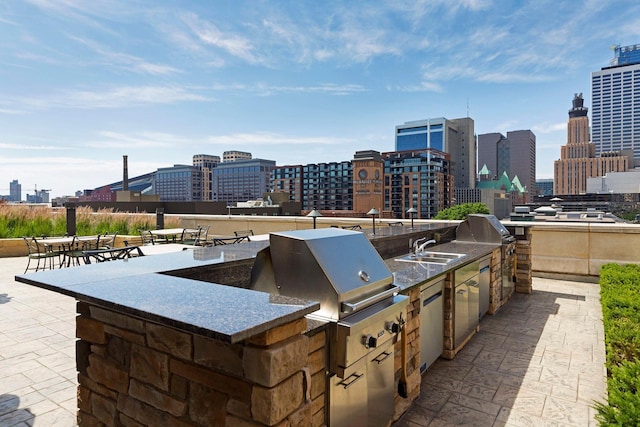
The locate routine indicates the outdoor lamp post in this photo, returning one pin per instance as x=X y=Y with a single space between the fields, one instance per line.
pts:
x=412 y=212
x=373 y=212
x=314 y=214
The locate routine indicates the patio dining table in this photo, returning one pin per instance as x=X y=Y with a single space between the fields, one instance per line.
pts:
x=173 y=235
x=65 y=246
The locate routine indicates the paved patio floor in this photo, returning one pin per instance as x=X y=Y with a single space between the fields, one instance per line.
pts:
x=538 y=362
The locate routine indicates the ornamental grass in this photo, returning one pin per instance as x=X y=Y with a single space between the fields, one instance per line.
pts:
x=28 y=220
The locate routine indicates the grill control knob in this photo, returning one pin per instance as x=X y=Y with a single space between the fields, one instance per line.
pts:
x=393 y=327
x=370 y=341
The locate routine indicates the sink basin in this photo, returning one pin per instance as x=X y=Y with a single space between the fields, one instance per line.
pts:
x=431 y=257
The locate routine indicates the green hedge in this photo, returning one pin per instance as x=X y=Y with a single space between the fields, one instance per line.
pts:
x=620 y=298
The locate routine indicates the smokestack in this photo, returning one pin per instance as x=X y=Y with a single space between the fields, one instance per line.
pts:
x=125 y=174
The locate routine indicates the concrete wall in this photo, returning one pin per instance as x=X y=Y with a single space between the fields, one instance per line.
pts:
x=571 y=249
x=560 y=249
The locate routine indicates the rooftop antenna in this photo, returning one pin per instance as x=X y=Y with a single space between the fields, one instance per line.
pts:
x=467 y=107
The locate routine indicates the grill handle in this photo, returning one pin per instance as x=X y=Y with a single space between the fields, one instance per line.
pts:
x=350 y=307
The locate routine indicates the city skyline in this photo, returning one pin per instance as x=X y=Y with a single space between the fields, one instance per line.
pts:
x=83 y=84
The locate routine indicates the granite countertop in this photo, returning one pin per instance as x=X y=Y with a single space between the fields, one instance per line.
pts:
x=409 y=274
x=144 y=287
x=137 y=287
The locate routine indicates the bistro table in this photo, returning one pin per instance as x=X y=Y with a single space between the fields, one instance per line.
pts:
x=173 y=235
x=67 y=246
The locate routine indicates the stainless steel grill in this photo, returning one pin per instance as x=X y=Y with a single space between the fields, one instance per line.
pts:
x=482 y=228
x=343 y=272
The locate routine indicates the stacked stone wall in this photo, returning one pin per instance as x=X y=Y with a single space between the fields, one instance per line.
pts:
x=133 y=373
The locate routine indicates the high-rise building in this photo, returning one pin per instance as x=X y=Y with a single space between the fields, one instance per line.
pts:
x=578 y=160
x=232 y=156
x=15 y=191
x=327 y=186
x=419 y=179
x=615 y=103
x=241 y=180
x=288 y=179
x=544 y=187
x=180 y=183
x=206 y=162
x=368 y=182
x=514 y=154
x=455 y=137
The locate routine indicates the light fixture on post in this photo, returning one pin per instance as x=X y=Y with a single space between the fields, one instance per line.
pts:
x=314 y=214
x=412 y=211
x=373 y=212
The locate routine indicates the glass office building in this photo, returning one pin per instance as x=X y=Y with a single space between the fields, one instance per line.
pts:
x=180 y=183
x=241 y=180
x=420 y=135
x=455 y=137
x=615 y=103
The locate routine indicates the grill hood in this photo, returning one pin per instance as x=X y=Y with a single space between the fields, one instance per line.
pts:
x=482 y=228
x=338 y=268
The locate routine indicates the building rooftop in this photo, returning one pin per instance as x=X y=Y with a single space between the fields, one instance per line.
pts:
x=538 y=361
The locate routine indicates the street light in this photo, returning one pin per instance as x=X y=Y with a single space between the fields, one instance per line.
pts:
x=412 y=211
x=314 y=214
x=373 y=212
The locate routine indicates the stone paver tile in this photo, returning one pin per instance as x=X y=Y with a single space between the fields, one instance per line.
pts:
x=476 y=404
x=490 y=359
x=420 y=416
x=551 y=357
x=521 y=399
x=15 y=382
x=488 y=339
x=482 y=393
x=455 y=369
x=520 y=364
x=56 y=359
x=528 y=382
x=58 y=417
x=457 y=415
x=521 y=344
x=40 y=374
x=471 y=349
x=559 y=376
x=567 y=393
x=513 y=418
x=446 y=383
x=403 y=422
x=484 y=377
x=588 y=394
x=563 y=411
x=432 y=397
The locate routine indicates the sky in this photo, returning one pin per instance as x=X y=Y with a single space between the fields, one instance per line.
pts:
x=83 y=83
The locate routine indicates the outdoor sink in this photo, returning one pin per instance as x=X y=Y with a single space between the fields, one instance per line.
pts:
x=431 y=257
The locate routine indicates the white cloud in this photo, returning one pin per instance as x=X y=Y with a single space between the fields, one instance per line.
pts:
x=118 y=97
x=125 y=61
x=209 y=34
x=422 y=87
x=271 y=138
x=268 y=90
x=549 y=127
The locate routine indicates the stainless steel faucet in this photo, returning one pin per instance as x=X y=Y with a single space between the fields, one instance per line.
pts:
x=415 y=244
x=420 y=248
